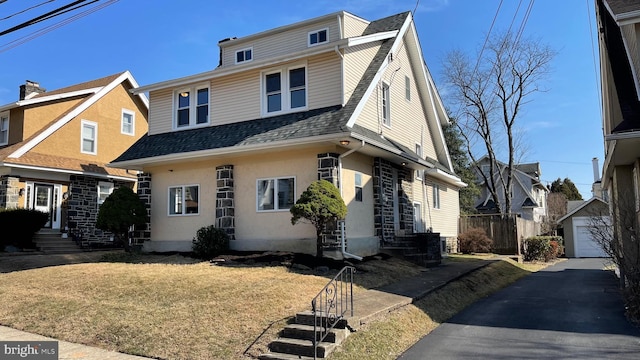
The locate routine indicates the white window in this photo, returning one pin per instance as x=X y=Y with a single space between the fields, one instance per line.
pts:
x=192 y=106
x=418 y=224
x=184 y=199
x=104 y=190
x=4 y=129
x=358 y=185
x=128 y=122
x=436 y=196
x=275 y=194
x=244 y=55
x=386 y=105
x=407 y=88
x=89 y=137
x=284 y=90
x=318 y=37
x=419 y=153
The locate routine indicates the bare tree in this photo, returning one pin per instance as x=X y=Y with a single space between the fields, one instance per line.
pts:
x=556 y=208
x=490 y=93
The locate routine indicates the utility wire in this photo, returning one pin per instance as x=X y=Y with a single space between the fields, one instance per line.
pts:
x=25 y=10
x=48 y=15
x=486 y=39
x=593 y=55
x=15 y=43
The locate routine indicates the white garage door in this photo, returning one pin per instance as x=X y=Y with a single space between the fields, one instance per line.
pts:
x=584 y=244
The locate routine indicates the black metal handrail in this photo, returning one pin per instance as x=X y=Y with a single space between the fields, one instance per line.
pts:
x=330 y=305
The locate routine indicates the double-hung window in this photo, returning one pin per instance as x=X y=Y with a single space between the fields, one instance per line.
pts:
x=4 y=129
x=436 y=196
x=128 y=122
x=244 y=55
x=275 y=194
x=318 y=37
x=89 y=137
x=184 y=199
x=358 y=184
x=386 y=105
x=104 y=190
x=284 y=90
x=192 y=106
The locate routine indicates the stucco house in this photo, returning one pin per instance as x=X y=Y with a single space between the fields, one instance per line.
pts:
x=529 y=195
x=54 y=146
x=336 y=97
x=619 y=45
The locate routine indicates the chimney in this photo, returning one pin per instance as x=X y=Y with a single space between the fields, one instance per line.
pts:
x=30 y=89
x=596 y=169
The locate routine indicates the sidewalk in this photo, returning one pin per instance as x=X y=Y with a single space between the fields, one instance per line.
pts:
x=367 y=306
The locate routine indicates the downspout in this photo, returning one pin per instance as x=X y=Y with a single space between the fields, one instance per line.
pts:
x=342 y=246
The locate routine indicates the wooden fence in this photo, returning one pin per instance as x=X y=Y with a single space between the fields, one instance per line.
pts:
x=507 y=233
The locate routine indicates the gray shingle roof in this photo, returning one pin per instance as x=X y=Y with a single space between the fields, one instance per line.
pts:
x=324 y=121
x=623 y=6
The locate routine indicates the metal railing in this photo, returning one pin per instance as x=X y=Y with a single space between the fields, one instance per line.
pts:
x=330 y=305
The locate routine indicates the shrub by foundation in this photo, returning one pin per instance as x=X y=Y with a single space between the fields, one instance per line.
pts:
x=543 y=248
x=210 y=242
x=475 y=240
x=19 y=226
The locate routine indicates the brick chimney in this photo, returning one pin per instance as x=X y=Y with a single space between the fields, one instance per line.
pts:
x=30 y=89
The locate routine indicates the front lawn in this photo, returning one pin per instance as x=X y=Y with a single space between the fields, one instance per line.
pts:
x=170 y=311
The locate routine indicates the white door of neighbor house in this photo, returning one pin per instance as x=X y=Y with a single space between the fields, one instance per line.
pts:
x=396 y=207
x=418 y=223
x=43 y=200
x=584 y=242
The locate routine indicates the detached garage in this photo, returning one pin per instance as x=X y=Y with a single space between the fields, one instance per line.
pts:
x=577 y=237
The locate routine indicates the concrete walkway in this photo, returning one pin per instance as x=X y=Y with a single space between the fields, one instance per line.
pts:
x=368 y=306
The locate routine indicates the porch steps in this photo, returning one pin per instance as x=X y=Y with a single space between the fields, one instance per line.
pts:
x=414 y=249
x=296 y=340
x=51 y=242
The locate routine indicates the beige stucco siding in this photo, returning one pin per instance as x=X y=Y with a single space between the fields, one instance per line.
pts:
x=279 y=44
x=360 y=220
x=356 y=62
x=38 y=115
x=107 y=114
x=353 y=26
x=160 y=111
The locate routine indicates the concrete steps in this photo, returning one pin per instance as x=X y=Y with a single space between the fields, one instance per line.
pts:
x=296 y=340
x=51 y=242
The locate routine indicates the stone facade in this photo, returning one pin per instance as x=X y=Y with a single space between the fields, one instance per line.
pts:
x=225 y=200
x=383 y=198
x=143 y=233
x=9 y=192
x=82 y=211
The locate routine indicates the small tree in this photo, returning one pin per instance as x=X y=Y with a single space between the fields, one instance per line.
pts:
x=320 y=204
x=122 y=209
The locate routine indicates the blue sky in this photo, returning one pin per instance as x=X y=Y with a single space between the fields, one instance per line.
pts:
x=159 y=40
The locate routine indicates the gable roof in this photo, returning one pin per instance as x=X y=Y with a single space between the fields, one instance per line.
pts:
x=580 y=207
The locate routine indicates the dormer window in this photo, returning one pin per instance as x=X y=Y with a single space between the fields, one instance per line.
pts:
x=284 y=90
x=192 y=106
x=318 y=37
x=244 y=55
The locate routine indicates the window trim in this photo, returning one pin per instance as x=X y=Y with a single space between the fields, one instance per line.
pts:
x=285 y=89
x=386 y=105
x=133 y=122
x=244 y=51
x=5 y=116
x=358 y=186
x=436 y=196
x=184 y=207
x=407 y=88
x=275 y=193
x=102 y=183
x=193 y=106
x=95 y=137
x=309 y=44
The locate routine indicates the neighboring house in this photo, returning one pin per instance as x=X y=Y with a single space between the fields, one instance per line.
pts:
x=528 y=195
x=619 y=44
x=336 y=97
x=581 y=217
x=54 y=146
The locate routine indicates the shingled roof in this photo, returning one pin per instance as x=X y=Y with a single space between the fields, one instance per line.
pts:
x=317 y=122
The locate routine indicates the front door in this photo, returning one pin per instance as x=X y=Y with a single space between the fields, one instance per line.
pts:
x=418 y=224
x=43 y=200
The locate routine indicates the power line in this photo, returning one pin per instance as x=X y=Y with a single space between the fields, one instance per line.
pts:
x=45 y=16
x=593 y=56
x=486 y=39
x=25 y=10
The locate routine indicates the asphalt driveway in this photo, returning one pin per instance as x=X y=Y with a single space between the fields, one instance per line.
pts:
x=571 y=310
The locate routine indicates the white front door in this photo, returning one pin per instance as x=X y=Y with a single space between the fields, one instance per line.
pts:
x=43 y=200
x=418 y=224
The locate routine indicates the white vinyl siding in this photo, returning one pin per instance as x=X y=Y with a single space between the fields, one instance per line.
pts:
x=160 y=111
x=445 y=220
x=356 y=62
x=324 y=81
x=353 y=26
x=278 y=44
x=236 y=98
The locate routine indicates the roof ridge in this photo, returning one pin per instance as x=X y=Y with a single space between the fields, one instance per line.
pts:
x=103 y=81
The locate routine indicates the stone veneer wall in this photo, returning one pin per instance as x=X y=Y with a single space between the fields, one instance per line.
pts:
x=143 y=233
x=83 y=207
x=383 y=188
x=225 y=200
x=9 y=192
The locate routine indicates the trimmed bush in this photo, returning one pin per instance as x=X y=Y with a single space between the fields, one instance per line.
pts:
x=475 y=240
x=210 y=242
x=543 y=248
x=19 y=226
